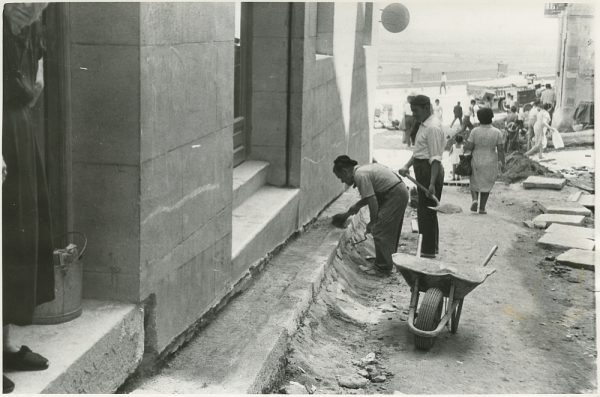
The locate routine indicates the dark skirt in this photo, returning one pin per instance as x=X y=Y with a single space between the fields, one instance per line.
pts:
x=27 y=268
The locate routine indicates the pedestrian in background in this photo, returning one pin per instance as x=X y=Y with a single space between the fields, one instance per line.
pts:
x=387 y=197
x=456 y=150
x=438 y=111
x=458 y=114
x=531 y=119
x=468 y=117
x=487 y=147
x=548 y=96
x=427 y=163
x=539 y=128
x=443 y=82
x=408 y=122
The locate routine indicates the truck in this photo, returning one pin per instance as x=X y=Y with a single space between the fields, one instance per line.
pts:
x=493 y=92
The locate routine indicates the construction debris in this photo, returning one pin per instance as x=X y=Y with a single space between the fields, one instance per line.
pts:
x=519 y=167
x=556 y=240
x=582 y=232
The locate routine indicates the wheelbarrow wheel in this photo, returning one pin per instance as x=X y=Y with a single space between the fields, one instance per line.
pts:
x=455 y=318
x=429 y=316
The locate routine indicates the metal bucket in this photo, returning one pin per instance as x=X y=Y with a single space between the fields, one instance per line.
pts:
x=68 y=281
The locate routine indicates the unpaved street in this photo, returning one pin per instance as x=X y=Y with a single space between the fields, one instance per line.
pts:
x=530 y=328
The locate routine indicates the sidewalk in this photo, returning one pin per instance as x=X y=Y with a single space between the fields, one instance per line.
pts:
x=244 y=349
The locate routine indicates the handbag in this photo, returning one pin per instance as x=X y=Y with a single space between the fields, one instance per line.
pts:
x=464 y=167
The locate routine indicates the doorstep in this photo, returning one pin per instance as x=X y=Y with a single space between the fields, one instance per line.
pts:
x=93 y=353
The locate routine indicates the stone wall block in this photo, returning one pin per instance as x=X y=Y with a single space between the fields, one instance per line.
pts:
x=105 y=75
x=271 y=70
x=88 y=22
x=161 y=23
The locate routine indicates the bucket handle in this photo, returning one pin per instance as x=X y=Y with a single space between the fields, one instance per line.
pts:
x=85 y=241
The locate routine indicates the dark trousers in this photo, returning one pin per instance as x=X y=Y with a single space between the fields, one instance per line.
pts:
x=427 y=219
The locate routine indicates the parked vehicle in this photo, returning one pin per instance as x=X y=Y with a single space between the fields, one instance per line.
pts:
x=493 y=92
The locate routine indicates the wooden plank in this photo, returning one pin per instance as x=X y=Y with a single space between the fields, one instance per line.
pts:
x=564 y=208
x=587 y=200
x=582 y=232
x=414 y=225
x=575 y=220
x=540 y=182
x=580 y=259
x=559 y=241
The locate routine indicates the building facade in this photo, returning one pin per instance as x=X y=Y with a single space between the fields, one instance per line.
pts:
x=575 y=61
x=186 y=149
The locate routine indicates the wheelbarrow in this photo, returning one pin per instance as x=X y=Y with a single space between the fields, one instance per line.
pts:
x=444 y=289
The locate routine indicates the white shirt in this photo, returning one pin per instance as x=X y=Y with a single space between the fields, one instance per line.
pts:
x=430 y=140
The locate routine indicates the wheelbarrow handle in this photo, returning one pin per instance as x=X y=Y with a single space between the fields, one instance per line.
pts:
x=424 y=189
x=489 y=256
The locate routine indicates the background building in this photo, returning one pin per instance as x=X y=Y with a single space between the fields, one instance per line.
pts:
x=185 y=153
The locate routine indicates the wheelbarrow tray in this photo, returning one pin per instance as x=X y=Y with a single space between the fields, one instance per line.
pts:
x=436 y=274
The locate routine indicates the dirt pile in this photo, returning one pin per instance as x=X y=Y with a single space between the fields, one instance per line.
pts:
x=519 y=167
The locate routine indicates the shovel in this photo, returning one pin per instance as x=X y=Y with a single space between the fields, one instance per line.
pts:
x=442 y=208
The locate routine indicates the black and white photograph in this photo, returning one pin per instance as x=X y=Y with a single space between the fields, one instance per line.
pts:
x=299 y=197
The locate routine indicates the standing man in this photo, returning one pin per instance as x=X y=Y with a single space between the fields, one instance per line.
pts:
x=427 y=163
x=458 y=114
x=549 y=97
x=443 y=83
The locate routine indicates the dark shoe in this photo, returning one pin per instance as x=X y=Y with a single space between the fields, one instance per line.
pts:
x=430 y=256
x=24 y=360
x=482 y=211
x=7 y=385
x=474 y=206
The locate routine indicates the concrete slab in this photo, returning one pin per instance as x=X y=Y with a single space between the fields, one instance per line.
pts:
x=566 y=230
x=539 y=182
x=577 y=258
x=93 y=353
x=587 y=200
x=243 y=349
x=565 y=241
x=414 y=225
x=548 y=219
x=564 y=208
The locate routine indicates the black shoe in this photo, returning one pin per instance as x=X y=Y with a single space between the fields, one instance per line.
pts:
x=24 y=360
x=429 y=256
x=7 y=385
x=474 y=206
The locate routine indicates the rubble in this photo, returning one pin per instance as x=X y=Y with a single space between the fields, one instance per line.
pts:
x=294 y=388
x=520 y=167
x=352 y=382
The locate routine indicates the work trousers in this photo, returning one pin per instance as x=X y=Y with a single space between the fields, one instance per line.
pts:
x=427 y=218
x=387 y=229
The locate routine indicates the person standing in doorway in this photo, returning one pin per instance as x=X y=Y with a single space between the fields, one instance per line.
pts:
x=458 y=114
x=427 y=163
x=443 y=82
x=27 y=243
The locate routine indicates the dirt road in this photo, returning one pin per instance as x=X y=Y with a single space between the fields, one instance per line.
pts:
x=530 y=328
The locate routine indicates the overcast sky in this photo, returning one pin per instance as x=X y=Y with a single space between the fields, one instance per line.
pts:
x=457 y=21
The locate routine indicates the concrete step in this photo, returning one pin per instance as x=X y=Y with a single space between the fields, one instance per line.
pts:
x=243 y=349
x=248 y=177
x=93 y=353
x=261 y=223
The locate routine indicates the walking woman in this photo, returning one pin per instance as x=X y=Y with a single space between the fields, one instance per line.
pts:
x=487 y=146
x=386 y=195
x=539 y=127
